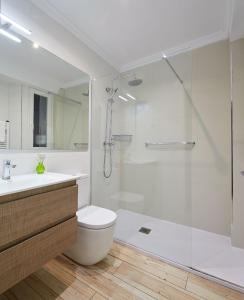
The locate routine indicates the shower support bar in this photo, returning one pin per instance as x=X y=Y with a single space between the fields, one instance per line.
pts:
x=163 y=144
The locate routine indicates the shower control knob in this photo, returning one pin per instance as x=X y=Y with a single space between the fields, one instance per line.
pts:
x=242 y=173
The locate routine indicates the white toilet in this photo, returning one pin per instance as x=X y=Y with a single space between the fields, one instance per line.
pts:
x=95 y=230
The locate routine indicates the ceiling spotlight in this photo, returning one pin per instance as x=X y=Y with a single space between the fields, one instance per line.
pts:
x=130 y=96
x=14 y=24
x=10 y=36
x=123 y=98
x=35 y=45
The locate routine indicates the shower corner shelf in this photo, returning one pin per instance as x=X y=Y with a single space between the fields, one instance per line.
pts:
x=122 y=138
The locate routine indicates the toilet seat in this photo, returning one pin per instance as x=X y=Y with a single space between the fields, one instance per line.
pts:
x=93 y=217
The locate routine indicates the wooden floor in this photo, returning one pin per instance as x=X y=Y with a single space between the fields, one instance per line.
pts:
x=124 y=274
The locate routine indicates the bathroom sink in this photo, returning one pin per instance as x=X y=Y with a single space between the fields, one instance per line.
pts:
x=26 y=182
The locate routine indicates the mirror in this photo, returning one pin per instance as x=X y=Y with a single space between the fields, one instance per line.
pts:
x=44 y=101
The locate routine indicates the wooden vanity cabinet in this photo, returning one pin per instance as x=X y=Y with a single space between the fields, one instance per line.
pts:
x=35 y=226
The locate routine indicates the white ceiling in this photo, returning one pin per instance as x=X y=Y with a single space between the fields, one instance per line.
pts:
x=127 y=33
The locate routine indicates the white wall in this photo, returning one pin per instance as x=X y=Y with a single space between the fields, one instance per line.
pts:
x=237 y=49
x=10 y=103
x=66 y=162
x=103 y=189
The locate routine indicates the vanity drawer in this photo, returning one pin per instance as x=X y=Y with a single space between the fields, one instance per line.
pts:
x=25 y=217
x=21 y=260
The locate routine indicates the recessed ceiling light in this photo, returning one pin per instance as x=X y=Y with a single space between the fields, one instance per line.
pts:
x=123 y=98
x=130 y=96
x=10 y=36
x=14 y=24
x=35 y=45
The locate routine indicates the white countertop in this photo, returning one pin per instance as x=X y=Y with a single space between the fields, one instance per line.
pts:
x=21 y=183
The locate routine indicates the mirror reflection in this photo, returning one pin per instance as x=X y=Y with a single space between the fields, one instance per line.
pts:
x=44 y=101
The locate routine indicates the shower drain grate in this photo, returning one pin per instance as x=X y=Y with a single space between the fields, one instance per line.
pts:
x=145 y=230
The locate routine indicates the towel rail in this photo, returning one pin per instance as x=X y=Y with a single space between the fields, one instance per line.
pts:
x=4 y=138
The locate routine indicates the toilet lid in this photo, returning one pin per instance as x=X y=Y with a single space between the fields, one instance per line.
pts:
x=94 y=217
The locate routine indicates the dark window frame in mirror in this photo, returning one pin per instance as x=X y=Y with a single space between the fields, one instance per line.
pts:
x=40 y=121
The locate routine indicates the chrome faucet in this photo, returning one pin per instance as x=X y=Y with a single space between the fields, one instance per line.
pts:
x=6 y=169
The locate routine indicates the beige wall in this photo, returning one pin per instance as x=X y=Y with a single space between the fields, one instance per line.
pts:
x=237 y=49
x=149 y=176
x=211 y=129
x=187 y=187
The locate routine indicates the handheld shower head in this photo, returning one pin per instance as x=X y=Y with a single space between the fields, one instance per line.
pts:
x=111 y=91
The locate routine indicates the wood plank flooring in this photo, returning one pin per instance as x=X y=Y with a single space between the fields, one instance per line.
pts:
x=123 y=275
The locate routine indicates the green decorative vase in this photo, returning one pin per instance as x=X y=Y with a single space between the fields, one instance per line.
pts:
x=40 y=168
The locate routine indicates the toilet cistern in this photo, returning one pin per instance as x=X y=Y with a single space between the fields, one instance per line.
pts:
x=7 y=166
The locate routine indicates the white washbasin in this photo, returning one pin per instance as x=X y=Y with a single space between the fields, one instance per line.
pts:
x=26 y=182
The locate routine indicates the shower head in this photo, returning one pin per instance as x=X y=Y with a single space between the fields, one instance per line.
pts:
x=86 y=94
x=135 y=82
